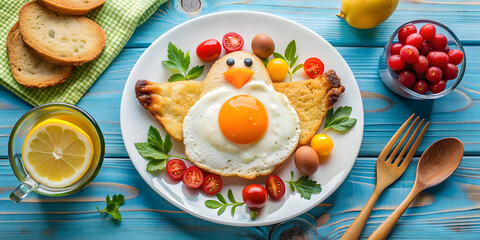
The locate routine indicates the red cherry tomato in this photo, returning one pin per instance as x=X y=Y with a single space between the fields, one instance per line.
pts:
x=396 y=62
x=232 y=42
x=449 y=72
x=433 y=74
x=275 y=187
x=421 y=65
x=414 y=39
x=439 y=42
x=436 y=58
x=176 y=168
x=409 y=54
x=313 y=67
x=212 y=184
x=209 y=50
x=255 y=196
x=193 y=177
x=421 y=87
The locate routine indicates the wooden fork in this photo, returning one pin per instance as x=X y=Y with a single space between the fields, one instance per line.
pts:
x=388 y=171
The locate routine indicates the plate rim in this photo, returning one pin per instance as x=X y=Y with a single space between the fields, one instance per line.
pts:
x=360 y=119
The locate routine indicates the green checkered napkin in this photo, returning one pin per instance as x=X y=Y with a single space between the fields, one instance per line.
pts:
x=118 y=18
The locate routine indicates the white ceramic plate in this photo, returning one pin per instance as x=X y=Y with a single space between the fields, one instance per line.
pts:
x=135 y=120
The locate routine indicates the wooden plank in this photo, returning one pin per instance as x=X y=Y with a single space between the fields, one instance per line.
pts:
x=448 y=210
x=320 y=16
x=384 y=110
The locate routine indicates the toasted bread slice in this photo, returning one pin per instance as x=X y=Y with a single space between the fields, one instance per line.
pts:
x=58 y=38
x=71 y=7
x=169 y=102
x=30 y=70
x=312 y=99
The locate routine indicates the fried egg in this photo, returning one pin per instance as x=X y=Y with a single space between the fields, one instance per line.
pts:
x=245 y=132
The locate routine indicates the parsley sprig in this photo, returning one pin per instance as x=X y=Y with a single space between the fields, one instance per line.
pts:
x=113 y=205
x=222 y=204
x=178 y=62
x=156 y=150
x=290 y=57
x=305 y=186
x=339 y=120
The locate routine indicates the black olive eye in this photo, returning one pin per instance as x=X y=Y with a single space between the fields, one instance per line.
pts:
x=230 y=62
x=248 y=62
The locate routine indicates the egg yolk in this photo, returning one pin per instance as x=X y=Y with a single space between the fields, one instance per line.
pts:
x=243 y=119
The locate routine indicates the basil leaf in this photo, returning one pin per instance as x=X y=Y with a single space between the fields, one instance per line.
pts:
x=299 y=66
x=278 y=55
x=342 y=112
x=221 y=210
x=233 y=210
x=345 y=124
x=290 y=51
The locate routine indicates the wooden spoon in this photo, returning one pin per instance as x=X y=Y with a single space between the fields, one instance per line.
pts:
x=436 y=164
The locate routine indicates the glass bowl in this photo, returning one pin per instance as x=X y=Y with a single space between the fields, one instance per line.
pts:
x=389 y=77
x=27 y=122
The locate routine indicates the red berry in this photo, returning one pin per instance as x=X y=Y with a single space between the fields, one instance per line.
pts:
x=421 y=65
x=421 y=87
x=455 y=56
x=409 y=54
x=450 y=72
x=414 y=39
x=439 y=42
x=395 y=48
x=438 y=86
x=433 y=74
x=406 y=78
x=439 y=59
x=446 y=49
x=396 y=62
x=419 y=76
x=425 y=49
x=428 y=32
x=405 y=31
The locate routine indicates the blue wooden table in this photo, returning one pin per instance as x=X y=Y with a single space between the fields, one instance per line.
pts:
x=450 y=210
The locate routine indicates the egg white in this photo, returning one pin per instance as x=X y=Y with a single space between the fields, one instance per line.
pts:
x=208 y=148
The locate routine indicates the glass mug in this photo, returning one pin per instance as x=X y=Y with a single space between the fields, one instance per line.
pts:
x=27 y=122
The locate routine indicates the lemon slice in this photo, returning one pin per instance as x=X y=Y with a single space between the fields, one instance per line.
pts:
x=57 y=153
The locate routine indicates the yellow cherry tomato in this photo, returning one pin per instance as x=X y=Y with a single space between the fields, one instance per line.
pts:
x=277 y=69
x=322 y=144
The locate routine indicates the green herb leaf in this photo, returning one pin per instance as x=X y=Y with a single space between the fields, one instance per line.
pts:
x=221 y=198
x=278 y=55
x=290 y=57
x=113 y=206
x=290 y=51
x=223 y=204
x=299 y=66
x=156 y=165
x=253 y=215
x=150 y=152
x=155 y=139
x=212 y=204
x=340 y=119
x=233 y=210
x=176 y=77
x=178 y=62
x=230 y=196
x=304 y=186
x=156 y=150
x=221 y=210
x=265 y=61
x=195 y=72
